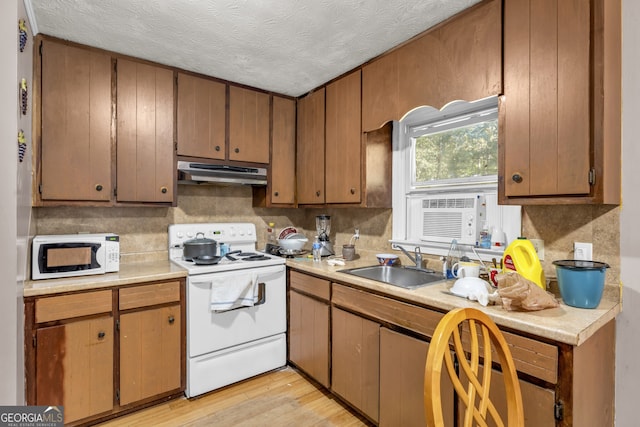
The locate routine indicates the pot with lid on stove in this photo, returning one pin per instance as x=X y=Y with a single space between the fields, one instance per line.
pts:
x=200 y=248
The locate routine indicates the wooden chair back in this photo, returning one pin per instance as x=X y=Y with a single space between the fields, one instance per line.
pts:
x=471 y=382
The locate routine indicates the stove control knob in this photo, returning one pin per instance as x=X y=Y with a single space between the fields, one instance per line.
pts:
x=190 y=234
x=179 y=234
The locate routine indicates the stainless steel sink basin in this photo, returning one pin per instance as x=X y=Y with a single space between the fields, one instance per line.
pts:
x=404 y=277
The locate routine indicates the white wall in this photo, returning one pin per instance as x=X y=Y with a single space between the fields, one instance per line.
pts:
x=11 y=377
x=628 y=335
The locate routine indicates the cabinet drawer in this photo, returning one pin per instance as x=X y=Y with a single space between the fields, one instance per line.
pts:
x=144 y=296
x=530 y=356
x=411 y=317
x=74 y=305
x=311 y=285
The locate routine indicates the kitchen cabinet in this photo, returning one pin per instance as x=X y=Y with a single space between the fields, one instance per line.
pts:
x=145 y=133
x=560 y=113
x=310 y=161
x=459 y=59
x=282 y=185
x=249 y=122
x=355 y=361
x=201 y=119
x=74 y=162
x=101 y=352
x=150 y=341
x=343 y=140
x=73 y=345
x=309 y=325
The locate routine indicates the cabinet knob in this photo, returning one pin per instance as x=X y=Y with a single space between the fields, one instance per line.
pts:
x=318 y=193
x=98 y=187
x=517 y=178
x=217 y=148
x=237 y=150
x=101 y=335
x=164 y=190
x=171 y=320
x=353 y=191
x=276 y=194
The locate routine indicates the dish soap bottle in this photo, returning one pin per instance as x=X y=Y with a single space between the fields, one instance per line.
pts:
x=521 y=256
x=272 y=243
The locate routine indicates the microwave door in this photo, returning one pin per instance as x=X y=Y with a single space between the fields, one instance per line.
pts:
x=68 y=257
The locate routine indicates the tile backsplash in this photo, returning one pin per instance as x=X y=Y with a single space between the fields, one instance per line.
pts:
x=143 y=230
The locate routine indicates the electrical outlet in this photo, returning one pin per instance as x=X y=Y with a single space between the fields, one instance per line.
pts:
x=538 y=245
x=583 y=251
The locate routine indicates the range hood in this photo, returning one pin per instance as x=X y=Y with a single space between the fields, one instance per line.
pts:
x=210 y=173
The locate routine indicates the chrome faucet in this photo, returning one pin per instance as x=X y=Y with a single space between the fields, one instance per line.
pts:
x=415 y=258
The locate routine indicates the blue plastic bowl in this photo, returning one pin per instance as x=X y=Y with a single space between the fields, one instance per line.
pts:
x=581 y=283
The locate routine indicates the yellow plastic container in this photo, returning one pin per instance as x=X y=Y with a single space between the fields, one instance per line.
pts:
x=521 y=256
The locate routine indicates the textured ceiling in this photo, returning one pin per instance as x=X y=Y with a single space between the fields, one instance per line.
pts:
x=284 y=46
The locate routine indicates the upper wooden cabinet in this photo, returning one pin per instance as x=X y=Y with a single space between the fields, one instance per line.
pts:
x=201 y=117
x=457 y=60
x=310 y=148
x=75 y=148
x=282 y=185
x=145 y=148
x=560 y=114
x=343 y=140
x=248 y=125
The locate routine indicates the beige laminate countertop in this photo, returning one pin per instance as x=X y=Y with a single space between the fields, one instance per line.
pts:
x=563 y=324
x=129 y=274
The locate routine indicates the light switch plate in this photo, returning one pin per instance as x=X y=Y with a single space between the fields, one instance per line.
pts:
x=583 y=251
x=538 y=244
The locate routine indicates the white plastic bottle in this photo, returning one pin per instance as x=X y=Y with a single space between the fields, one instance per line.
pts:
x=316 y=248
x=271 y=241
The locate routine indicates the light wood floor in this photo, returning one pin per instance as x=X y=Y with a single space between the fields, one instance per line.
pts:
x=275 y=399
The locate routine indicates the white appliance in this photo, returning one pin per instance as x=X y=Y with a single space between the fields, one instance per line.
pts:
x=69 y=255
x=443 y=217
x=229 y=346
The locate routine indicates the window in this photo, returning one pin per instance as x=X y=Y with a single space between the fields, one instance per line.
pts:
x=441 y=156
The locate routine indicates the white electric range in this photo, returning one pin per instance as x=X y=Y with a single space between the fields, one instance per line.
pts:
x=224 y=347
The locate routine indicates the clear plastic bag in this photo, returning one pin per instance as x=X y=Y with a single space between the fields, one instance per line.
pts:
x=518 y=293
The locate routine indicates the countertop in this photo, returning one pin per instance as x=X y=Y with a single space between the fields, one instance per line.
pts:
x=563 y=324
x=129 y=274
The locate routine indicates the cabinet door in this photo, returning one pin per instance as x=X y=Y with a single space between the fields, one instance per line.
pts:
x=310 y=146
x=419 y=82
x=380 y=95
x=545 y=111
x=248 y=125
x=201 y=117
x=74 y=367
x=150 y=349
x=146 y=155
x=355 y=361
x=402 y=363
x=76 y=124
x=343 y=140
x=309 y=336
x=283 y=149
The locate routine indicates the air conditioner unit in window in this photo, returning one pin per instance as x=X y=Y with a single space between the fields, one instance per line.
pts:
x=457 y=216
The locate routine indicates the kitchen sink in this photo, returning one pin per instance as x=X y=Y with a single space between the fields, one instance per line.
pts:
x=404 y=277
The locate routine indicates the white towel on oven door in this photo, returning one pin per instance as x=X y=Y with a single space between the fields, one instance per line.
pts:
x=234 y=292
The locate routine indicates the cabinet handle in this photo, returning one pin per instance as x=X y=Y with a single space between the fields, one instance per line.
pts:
x=217 y=148
x=101 y=335
x=98 y=187
x=276 y=194
x=517 y=178
x=171 y=320
x=164 y=190
x=237 y=150
x=318 y=193
x=353 y=191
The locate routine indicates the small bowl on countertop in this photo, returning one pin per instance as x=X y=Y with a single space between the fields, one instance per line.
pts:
x=386 y=259
x=292 y=244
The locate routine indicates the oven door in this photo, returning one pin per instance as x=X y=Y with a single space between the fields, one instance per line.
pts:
x=209 y=331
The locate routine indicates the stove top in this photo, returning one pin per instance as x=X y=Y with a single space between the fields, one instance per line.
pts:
x=239 y=237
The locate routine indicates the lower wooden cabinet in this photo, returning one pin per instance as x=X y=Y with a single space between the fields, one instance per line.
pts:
x=99 y=353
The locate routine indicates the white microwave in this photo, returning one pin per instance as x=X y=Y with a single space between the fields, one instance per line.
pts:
x=69 y=255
